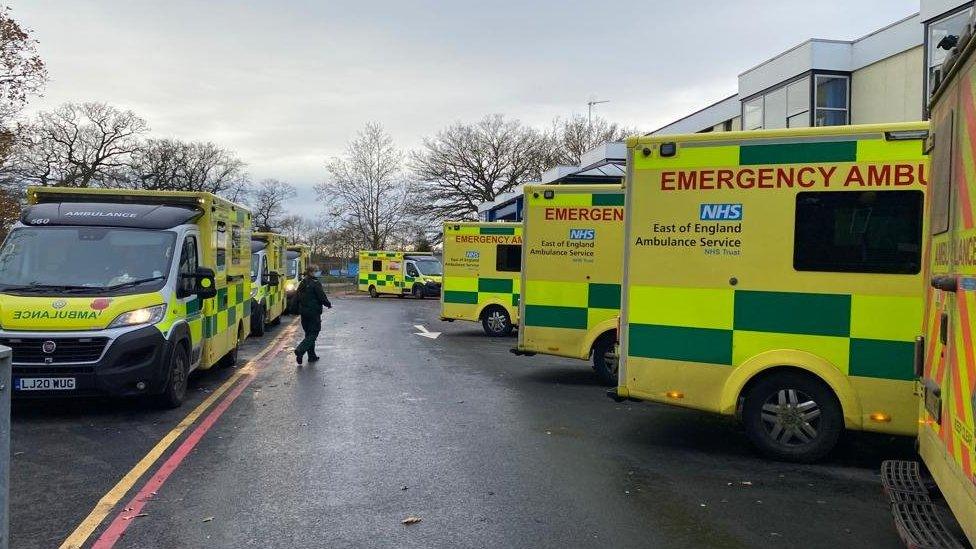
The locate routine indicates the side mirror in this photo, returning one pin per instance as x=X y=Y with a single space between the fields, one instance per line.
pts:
x=205 y=283
x=271 y=279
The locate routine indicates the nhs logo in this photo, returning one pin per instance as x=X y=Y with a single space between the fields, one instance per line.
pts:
x=720 y=212
x=472 y=255
x=582 y=234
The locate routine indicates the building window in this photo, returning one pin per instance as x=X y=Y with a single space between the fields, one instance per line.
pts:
x=832 y=96
x=935 y=30
x=858 y=232
x=787 y=106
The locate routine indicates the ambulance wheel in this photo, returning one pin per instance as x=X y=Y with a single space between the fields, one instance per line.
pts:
x=791 y=416
x=496 y=322
x=257 y=321
x=418 y=292
x=230 y=359
x=276 y=321
x=373 y=293
x=605 y=360
x=179 y=371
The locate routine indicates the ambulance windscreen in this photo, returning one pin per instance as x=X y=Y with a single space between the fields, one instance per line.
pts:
x=430 y=267
x=85 y=259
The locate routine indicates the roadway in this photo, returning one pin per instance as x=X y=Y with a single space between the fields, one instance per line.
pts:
x=486 y=448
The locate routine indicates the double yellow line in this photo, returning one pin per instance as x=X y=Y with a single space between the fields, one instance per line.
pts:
x=122 y=487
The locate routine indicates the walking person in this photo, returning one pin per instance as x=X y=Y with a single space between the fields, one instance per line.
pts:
x=311 y=298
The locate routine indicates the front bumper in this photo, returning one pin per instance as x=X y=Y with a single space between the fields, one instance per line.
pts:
x=129 y=358
x=432 y=288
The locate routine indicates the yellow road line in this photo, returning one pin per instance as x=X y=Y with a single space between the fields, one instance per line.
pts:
x=113 y=496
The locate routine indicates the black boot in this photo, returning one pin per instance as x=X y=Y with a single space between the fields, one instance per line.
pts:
x=313 y=358
x=298 y=357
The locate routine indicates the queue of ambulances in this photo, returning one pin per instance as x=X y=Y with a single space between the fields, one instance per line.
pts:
x=268 y=267
x=106 y=291
x=775 y=275
x=571 y=273
x=482 y=275
x=945 y=360
x=417 y=274
x=298 y=258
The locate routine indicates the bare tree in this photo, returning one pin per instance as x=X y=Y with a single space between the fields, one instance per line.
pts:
x=568 y=139
x=267 y=203
x=367 y=188
x=295 y=228
x=22 y=72
x=10 y=204
x=466 y=165
x=78 y=145
x=171 y=164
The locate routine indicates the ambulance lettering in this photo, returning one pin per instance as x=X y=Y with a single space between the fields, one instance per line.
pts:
x=584 y=214
x=804 y=177
x=720 y=212
x=582 y=234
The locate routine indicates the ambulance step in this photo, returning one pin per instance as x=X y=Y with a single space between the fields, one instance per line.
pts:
x=920 y=526
x=902 y=482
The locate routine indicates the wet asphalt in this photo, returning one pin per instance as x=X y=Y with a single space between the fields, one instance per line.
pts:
x=486 y=448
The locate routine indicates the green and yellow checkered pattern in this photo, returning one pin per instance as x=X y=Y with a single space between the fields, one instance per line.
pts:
x=230 y=305
x=862 y=335
x=582 y=305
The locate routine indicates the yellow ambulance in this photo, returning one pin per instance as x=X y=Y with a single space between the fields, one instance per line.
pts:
x=775 y=275
x=945 y=360
x=298 y=258
x=123 y=292
x=400 y=273
x=268 y=268
x=482 y=274
x=571 y=273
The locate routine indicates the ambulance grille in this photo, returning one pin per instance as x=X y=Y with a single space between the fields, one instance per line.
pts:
x=66 y=349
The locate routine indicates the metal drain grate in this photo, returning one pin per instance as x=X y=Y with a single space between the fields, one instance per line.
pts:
x=902 y=482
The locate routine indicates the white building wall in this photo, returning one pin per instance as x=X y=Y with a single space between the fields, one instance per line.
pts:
x=889 y=90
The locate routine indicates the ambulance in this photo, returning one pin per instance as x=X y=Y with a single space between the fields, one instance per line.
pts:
x=298 y=258
x=482 y=275
x=572 y=258
x=945 y=360
x=775 y=275
x=268 y=267
x=107 y=291
x=400 y=273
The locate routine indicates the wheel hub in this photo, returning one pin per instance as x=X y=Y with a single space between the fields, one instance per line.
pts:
x=791 y=417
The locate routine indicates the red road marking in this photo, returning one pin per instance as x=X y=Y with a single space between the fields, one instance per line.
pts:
x=117 y=528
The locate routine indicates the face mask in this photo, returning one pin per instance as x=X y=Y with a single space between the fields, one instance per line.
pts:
x=317 y=274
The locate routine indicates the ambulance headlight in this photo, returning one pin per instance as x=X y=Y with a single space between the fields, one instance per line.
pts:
x=290 y=286
x=148 y=315
x=254 y=292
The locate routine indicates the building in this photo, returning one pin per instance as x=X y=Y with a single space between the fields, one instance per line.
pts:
x=884 y=76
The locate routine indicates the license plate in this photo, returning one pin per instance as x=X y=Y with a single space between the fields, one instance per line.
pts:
x=45 y=384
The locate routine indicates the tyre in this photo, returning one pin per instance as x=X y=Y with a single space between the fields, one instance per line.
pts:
x=496 y=322
x=257 y=321
x=276 y=321
x=605 y=360
x=373 y=293
x=230 y=359
x=176 y=379
x=418 y=292
x=791 y=416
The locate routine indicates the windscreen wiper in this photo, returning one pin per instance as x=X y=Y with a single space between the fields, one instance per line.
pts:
x=133 y=283
x=51 y=288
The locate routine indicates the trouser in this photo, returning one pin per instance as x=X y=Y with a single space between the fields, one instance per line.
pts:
x=311 y=325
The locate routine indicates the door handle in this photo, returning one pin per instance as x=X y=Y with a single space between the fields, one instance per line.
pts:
x=945 y=283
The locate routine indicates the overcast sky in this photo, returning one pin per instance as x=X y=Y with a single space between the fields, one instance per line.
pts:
x=287 y=83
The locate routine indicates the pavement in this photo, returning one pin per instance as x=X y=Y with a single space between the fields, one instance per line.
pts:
x=487 y=449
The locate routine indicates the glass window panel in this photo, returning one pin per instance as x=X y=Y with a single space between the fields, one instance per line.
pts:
x=950 y=25
x=752 y=113
x=832 y=92
x=831 y=117
x=774 y=115
x=798 y=97
x=801 y=120
x=858 y=232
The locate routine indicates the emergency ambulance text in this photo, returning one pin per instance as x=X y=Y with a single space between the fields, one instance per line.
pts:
x=875 y=175
x=584 y=214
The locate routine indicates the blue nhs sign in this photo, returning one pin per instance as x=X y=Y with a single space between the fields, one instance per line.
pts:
x=582 y=234
x=720 y=212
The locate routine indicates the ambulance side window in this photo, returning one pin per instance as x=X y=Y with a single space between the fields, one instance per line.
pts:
x=221 y=239
x=412 y=270
x=508 y=258
x=942 y=175
x=377 y=265
x=188 y=266
x=858 y=232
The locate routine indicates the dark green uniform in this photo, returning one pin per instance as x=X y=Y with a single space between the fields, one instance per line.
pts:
x=311 y=298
